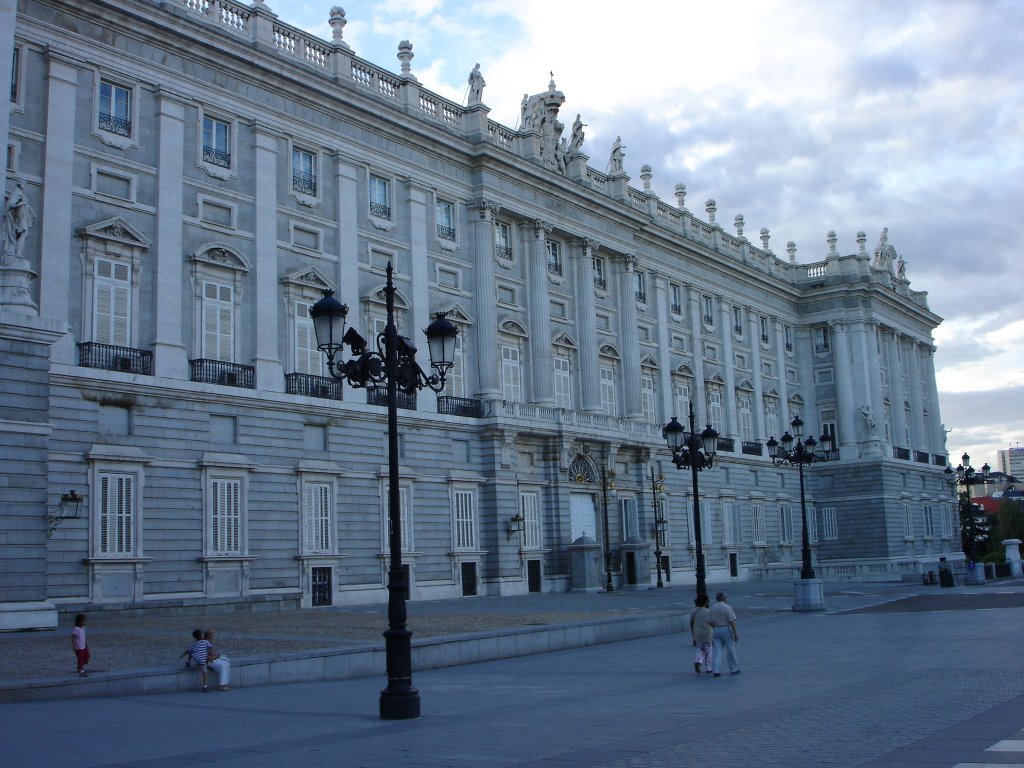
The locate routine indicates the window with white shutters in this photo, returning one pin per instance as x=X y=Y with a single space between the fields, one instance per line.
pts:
x=511 y=380
x=715 y=410
x=829 y=524
x=929 y=521
x=464 y=502
x=908 y=524
x=563 y=383
x=112 y=291
x=116 y=500
x=218 y=322
x=308 y=359
x=630 y=519
x=318 y=517
x=529 y=507
x=648 y=399
x=757 y=523
x=608 y=405
x=785 y=524
x=731 y=523
x=681 y=400
x=746 y=418
x=455 y=381
x=812 y=524
x=226 y=517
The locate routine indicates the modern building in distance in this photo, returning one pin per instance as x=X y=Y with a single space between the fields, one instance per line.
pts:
x=186 y=178
x=1010 y=461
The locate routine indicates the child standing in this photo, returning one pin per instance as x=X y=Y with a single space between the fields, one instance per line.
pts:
x=79 y=646
x=199 y=652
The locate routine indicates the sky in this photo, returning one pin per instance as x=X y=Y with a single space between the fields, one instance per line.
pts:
x=805 y=116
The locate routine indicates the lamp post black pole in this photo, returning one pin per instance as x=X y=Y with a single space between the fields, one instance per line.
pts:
x=608 y=586
x=702 y=584
x=658 y=523
x=806 y=569
x=400 y=700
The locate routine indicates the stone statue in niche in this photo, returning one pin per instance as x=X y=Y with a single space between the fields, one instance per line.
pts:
x=18 y=220
x=476 y=86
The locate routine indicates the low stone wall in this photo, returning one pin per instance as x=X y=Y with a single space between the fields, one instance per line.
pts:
x=348 y=663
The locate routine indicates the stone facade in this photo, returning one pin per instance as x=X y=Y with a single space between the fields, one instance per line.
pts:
x=202 y=171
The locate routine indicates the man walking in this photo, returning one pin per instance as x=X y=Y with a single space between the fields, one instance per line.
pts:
x=723 y=622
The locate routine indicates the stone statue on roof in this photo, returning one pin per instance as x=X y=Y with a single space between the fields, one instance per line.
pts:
x=540 y=115
x=885 y=254
x=476 y=86
x=617 y=156
x=576 y=137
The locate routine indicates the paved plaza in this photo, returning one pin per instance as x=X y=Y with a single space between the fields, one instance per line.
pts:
x=888 y=676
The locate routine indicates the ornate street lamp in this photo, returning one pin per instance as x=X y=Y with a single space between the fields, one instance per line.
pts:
x=608 y=493
x=966 y=476
x=393 y=363
x=695 y=452
x=791 y=449
x=658 y=498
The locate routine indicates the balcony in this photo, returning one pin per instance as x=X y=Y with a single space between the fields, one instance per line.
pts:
x=446 y=233
x=600 y=283
x=640 y=296
x=922 y=457
x=751 y=448
x=304 y=183
x=380 y=211
x=555 y=267
x=216 y=157
x=114 y=124
x=220 y=372
x=676 y=309
x=111 y=358
x=379 y=396
x=459 y=406
x=312 y=386
x=503 y=252
x=727 y=444
x=901 y=453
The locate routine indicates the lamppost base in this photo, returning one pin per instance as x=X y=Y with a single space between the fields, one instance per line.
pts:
x=808 y=595
x=399 y=706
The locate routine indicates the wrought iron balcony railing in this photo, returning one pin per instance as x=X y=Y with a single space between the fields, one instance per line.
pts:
x=379 y=396
x=216 y=157
x=901 y=453
x=727 y=444
x=304 y=183
x=111 y=358
x=220 y=372
x=459 y=406
x=380 y=211
x=751 y=448
x=503 y=252
x=313 y=386
x=114 y=124
x=446 y=233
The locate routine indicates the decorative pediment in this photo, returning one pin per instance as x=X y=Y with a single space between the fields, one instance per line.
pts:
x=685 y=370
x=609 y=350
x=117 y=230
x=745 y=385
x=513 y=327
x=649 y=362
x=308 y=277
x=716 y=379
x=563 y=339
x=772 y=392
x=458 y=315
x=222 y=255
x=796 y=399
x=377 y=296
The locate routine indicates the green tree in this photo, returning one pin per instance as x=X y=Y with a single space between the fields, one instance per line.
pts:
x=1009 y=521
x=975 y=529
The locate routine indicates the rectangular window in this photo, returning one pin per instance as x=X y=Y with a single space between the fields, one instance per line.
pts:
x=812 y=524
x=116 y=512
x=640 y=287
x=380 y=198
x=715 y=410
x=785 y=524
x=304 y=167
x=308 y=359
x=529 y=508
x=675 y=298
x=745 y=413
x=115 y=109
x=648 y=399
x=763 y=321
x=737 y=320
x=405 y=517
x=444 y=218
x=827 y=417
x=456 y=380
x=226 y=517
x=908 y=524
x=829 y=524
x=630 y=519
x=216 y=142
x=511 y=380
x=563 y=383
x=787 y=333
x=732 y=525
x=929 y=522
x=464 y=503
x=218 y=322
x=15 y=71
x=318 y=518
x=771 y=417
x=112 y=291
x=821 y=340
x=502 y=240
x=600 y=278
x=709 y=311
x=947 y=521
x=554 y=256
x=681 y=400
x=608 y=406
x=757 y=523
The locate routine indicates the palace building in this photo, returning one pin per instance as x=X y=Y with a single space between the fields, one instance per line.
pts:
x=185 y=178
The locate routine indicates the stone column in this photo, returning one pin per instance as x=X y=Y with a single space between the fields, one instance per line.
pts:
x=866 y=385
x=170 y=356
x=585 y=251
x=419 y=316
x=629 y=336
x=731 y=427
x=540 y=317
x=896 y=393
x=780 y=370
x=760 y=430
x=56 y=225
x=659 y=287
x=269 y=371
x=935 y=443
x=917 y=437
x=845 y=404
x=697 y=393
x=486 y=349
x=346 y=181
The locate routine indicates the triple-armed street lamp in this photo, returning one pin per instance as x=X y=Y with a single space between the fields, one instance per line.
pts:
x=695 y=452
x=392 y=363
x=791 y=449
x=966 y=476
x=608 y=493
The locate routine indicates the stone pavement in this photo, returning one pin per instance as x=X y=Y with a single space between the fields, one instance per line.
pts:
x=889 y=676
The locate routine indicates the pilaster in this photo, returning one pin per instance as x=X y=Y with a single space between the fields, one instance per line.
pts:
x=417 y=206
x=540 y=317
x=269 y=371
x=629 y=335
x=487 y=312
x=589 y=375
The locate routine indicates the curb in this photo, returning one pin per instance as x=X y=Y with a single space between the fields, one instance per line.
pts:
x=349 y=663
